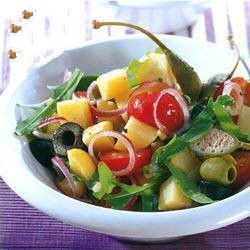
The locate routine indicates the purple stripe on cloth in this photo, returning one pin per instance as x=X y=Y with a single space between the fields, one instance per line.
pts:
x=189 y=31
x=5 y=71
x=46 y=26
x=229 y=25
x=23 y=227
x=171 y=33
x=209 y=25
x=247 y=18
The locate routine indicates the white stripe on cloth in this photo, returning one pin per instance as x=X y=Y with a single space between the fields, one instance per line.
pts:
x=198 y=30
x=237 y=19
x=220 y=17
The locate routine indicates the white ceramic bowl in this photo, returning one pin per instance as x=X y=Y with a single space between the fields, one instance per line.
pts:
x=34 y=184
x=157 y=15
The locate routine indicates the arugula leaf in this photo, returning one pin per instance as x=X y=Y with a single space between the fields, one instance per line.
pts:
x=206 y=115
x=149 y=203
x=165 y=152
x=119 y=201
x=197 y=131
x=85 y=82
x=107 y=179
x=65 y=91
x=59 y=93
x=227 y=123
x=26 y=126
x=35 y=106
x=188 y=186
x=132 y=70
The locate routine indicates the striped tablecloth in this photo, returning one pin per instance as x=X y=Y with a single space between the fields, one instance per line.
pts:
x=58 y=26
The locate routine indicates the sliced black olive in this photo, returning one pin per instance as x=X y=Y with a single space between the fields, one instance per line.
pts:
x=214 y=191
x=66 y=137
x=43 y=151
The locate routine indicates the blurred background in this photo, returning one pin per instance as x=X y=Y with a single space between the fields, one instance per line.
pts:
x=56 y=25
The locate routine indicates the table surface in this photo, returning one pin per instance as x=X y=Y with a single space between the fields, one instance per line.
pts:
x=22 y=226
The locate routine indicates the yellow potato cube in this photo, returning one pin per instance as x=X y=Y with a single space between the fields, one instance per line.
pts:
x=244 y=119
x=171 y=197
x=117 y=121
x=155 y=67
x=102 y=144
x=121 y=101
x=81 y=163
x=76 y=111
x=113 y=84
x=140 y=134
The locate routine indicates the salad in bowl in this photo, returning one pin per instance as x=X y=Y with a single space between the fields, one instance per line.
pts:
x=147 y=137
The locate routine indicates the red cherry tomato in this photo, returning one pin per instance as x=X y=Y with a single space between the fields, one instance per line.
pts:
x=80 y=94
x=243 y=168
x=169 y=112
x=240 y=80
x=141 y=107
x=116 y=160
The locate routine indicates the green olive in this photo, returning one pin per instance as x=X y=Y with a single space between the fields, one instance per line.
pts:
x=218 y=170
x=66 y=137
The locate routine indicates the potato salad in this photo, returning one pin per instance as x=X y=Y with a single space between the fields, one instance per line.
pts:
x=147 y=137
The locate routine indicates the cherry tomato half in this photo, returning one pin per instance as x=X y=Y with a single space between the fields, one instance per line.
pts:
x=116 y=160
x=80 y=94
x=141 y=107
x=243 y=168
x=169 y=112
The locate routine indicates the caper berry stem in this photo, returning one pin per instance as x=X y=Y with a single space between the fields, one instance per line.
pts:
x=96 y=25
x=231 y=40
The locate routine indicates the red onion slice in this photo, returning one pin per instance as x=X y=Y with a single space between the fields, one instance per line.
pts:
x=238 y=103
x=42 y=135
x=182 y=103
x=127 y=143
x=59 y=163
x=133 y=180
x=131 y=202
x=50 y=120
x=101 y=113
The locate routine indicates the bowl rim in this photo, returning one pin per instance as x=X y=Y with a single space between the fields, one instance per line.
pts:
x=28 y=195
